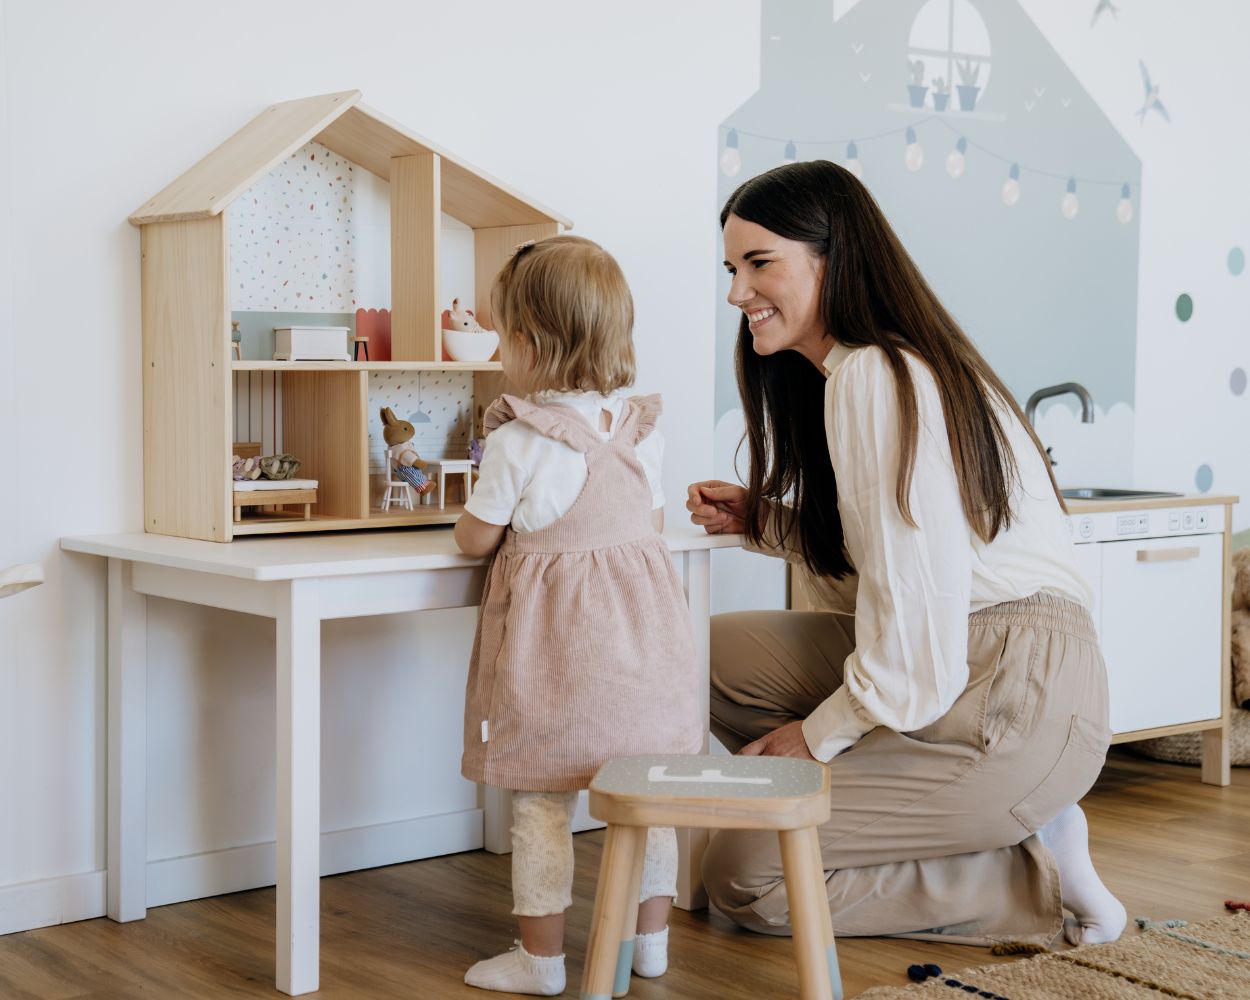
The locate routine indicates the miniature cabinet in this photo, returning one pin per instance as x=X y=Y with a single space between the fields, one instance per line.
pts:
x=324 y=414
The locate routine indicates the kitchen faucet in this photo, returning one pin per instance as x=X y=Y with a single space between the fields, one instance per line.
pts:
x=1087 y=401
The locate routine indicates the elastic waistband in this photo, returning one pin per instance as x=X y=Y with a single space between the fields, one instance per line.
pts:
x=1040 y=610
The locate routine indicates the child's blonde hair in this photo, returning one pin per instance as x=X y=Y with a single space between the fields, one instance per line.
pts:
x=565 y=300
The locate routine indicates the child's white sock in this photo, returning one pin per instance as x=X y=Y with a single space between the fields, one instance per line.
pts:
x=651 y=954
x=517 y=971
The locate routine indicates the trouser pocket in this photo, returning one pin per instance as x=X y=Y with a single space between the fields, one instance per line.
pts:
x=1074 y=773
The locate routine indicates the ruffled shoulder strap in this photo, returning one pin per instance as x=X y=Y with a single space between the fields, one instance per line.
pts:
x=639 y=418
x=560 y=423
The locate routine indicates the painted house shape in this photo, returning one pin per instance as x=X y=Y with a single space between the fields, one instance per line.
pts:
x=1043 y=278
x=186 y=307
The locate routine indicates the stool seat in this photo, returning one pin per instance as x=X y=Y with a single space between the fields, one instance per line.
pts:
x=632 y=794
x=722 y=793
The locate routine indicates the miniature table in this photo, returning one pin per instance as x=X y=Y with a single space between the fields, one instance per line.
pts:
x=454 y=466
x=300 y=582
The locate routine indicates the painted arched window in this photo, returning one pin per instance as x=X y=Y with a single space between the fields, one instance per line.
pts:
x=948 y=53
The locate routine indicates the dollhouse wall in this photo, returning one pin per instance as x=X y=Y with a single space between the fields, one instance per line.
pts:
x=310 y=243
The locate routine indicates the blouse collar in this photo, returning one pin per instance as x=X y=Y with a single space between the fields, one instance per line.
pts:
x=835 y=357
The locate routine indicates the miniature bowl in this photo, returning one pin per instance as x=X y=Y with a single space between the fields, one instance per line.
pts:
x=463 y=345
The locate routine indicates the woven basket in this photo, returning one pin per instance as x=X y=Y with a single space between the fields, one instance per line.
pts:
x=1187 y=747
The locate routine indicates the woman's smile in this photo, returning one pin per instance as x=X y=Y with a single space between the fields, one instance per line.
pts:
x=756 y=318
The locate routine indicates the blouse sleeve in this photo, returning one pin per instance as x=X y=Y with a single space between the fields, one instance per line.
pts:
x=915 y=583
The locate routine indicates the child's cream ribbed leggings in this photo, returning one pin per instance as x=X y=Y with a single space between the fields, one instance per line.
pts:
x=542 y=855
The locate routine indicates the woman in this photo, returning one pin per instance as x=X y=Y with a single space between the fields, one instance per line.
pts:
x=962 y=710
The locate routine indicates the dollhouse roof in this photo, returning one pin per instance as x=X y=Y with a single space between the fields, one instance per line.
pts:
x=354 y=131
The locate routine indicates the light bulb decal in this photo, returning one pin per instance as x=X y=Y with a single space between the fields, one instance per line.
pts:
x=1011 y=186
x=1124 y=209
x=1069 y=206
x=730 y=158
x=955 y=162
x=913 y=156
x=852 y=161
x=791 y=154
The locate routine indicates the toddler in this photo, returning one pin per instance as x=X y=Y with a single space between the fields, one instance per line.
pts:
x=583 y=649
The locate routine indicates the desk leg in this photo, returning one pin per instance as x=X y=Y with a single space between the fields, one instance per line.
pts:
x=299 y=786
x=697 y=580
x=497 y=819
x=127 y=746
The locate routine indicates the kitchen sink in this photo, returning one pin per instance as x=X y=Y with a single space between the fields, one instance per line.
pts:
x=1101 y=493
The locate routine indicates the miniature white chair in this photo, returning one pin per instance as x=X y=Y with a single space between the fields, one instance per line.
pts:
x=632 y=794
x=454 y=466
x=395 y=485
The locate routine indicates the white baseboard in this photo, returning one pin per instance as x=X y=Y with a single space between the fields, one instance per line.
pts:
x=49 y=901
x=29 y=905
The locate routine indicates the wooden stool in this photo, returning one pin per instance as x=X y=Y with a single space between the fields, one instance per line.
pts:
x=719 y=793
x=357 y=343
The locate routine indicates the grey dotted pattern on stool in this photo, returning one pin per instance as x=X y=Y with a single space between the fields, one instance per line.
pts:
x=711 y=777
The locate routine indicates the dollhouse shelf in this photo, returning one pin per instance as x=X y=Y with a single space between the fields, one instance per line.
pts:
x=325 y=414
x=423 y=516
x=366 y=366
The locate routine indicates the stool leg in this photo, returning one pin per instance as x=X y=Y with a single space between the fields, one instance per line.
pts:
x=810 y=923
x=625 y=951
x=612 y=899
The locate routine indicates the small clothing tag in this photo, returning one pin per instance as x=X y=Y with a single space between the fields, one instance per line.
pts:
x=485 y=731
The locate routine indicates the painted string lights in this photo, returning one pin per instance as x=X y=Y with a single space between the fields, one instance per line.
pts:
x=956 y=164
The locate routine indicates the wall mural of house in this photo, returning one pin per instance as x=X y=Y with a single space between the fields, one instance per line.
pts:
x=1009 y=185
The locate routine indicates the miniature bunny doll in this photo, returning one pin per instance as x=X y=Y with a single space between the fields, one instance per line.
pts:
x=405 y=460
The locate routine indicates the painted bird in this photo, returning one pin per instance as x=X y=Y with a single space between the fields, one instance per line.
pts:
x=1152 y=96
x=1103 y=5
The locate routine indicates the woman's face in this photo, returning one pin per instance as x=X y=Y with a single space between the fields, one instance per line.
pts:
x=776 y=283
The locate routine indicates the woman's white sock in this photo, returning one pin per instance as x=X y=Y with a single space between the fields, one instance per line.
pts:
x=517 y=971
x=651 y=954
x=1099 y=916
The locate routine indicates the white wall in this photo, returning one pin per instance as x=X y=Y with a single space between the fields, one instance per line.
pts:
x=605 y=113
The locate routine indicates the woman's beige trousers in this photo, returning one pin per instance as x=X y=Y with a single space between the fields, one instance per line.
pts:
x=933 y=832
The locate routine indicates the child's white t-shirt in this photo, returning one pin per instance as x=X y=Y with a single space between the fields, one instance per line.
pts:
x=529 y=480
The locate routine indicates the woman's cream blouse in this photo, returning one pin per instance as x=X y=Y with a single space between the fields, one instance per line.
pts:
x=917 y=585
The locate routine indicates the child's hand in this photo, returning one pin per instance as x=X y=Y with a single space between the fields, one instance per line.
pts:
x=719 y=507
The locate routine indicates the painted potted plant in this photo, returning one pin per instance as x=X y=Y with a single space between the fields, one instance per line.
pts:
x=916 y=90
x=941 y=93
x=968 y=89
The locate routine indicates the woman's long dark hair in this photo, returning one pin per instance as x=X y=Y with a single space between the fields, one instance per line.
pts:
x=872 y=295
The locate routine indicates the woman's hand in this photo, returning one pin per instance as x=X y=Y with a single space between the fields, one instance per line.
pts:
x=785 y=741
x=719 y=507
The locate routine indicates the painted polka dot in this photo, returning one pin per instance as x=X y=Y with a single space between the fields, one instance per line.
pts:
x=1237 y=381
x=1204 y=478
x=1236 y=260
x=1184 y=308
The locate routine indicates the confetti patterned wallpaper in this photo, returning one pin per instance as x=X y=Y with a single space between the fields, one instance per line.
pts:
x=294 y=236
x=445 y=397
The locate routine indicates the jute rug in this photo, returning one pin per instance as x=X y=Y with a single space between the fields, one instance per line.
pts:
x=1202 y=961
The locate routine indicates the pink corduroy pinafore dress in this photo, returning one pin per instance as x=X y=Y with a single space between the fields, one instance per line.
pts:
x=583 y=649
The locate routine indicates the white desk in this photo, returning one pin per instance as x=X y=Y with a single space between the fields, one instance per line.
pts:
x=299 y=581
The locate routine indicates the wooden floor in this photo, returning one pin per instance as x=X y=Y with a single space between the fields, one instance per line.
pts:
x=1166 y=844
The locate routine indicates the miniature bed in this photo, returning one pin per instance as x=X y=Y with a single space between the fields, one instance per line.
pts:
x=275 y=493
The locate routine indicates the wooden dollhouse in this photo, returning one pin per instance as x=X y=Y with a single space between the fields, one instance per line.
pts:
x=190 y=362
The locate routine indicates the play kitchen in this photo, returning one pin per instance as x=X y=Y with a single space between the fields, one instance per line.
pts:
x=1158 y=564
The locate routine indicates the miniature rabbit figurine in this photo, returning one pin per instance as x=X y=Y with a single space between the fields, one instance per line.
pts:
x=462 y=319
x=406 y=462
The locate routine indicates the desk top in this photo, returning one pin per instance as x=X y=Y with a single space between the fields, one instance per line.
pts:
x=298 y=556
